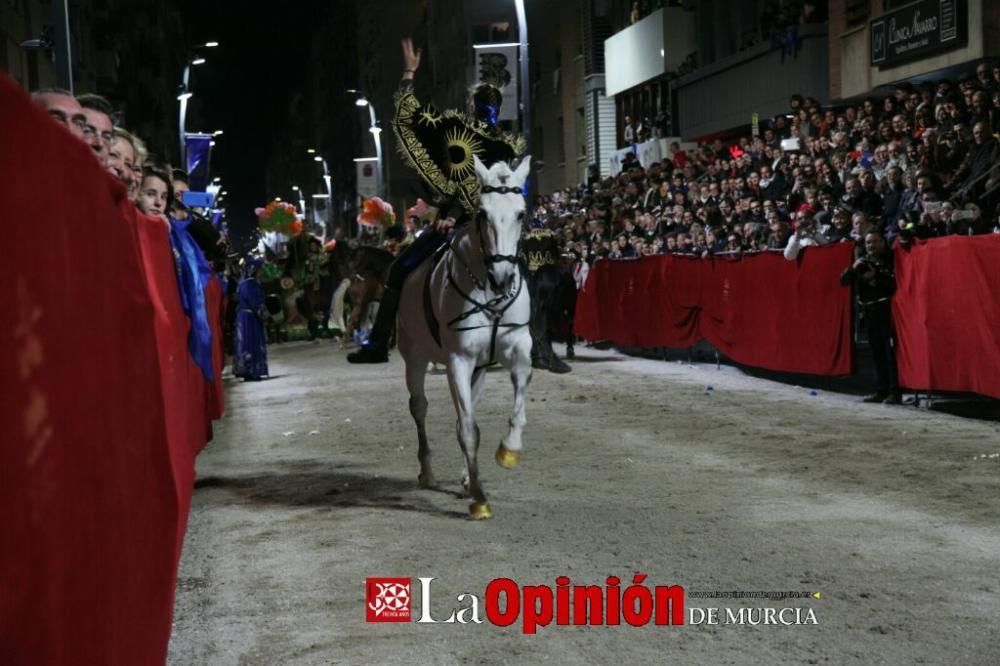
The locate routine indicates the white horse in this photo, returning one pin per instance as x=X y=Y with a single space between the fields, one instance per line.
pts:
x=467 y=310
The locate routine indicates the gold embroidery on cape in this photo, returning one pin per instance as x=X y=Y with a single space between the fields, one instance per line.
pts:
x=461 y=141
x=463 y=185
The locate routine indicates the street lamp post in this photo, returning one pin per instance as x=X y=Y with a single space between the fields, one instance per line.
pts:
x=63 y=44
x=184 y=94
x=329 y=188
x=376 y=132
x=522 y=38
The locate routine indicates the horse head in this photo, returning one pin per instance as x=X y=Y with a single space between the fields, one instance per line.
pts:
x=501 y=211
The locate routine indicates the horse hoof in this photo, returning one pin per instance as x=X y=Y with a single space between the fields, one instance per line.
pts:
x=426 y=481
x=506 y=458
x=480 y=511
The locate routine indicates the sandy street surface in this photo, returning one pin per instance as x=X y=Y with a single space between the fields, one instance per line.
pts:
x=891 y=513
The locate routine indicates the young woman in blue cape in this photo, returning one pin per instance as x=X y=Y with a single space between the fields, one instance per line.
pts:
x=250 y=341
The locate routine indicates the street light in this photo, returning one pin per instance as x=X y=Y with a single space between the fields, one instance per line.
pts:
x=522 y=38
x=328 y=196
x=300 y=195
x=376 y=132
x=184 y=92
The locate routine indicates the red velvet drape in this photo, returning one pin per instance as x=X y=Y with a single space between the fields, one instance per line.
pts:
x=947 y=314
x=760 y=310
x=103 y=410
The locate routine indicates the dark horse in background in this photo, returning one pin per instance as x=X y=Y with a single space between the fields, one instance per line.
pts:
x=553 y=306
x=346 y=276
x=553 y=296
x=357 y=275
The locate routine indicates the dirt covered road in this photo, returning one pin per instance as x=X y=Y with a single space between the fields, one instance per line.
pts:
x=889 y=513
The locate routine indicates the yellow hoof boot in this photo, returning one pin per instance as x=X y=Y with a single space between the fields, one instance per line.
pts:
x=506 y=458
x=480 y=511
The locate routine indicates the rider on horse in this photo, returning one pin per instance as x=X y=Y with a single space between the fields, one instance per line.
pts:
x=440 y=147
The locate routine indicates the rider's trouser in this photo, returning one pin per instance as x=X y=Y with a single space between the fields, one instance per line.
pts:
x=424 y=246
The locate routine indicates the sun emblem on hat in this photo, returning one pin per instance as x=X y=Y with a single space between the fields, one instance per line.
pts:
x=461 y=145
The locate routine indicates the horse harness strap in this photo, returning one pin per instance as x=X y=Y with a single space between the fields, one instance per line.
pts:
x=432 y=322
x=494 y=308
x=489 y=309
x=503 y=189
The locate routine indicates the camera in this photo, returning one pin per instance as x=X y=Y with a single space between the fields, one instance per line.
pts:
x=790 y=145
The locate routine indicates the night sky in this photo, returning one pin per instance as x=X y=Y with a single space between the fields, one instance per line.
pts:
x=244 y=87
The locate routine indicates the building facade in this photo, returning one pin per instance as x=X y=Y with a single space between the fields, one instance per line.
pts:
x=131 y=52
x=700 y=70
x=876 y=43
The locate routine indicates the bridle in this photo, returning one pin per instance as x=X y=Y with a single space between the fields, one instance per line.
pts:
x=491 y=259
x=506 y=295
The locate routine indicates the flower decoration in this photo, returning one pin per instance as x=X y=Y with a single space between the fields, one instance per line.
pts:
x=376 y=213
x=279 y=216
x=421 y=210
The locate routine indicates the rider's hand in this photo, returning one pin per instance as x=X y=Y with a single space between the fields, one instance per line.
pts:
x=411 y=58
x=445 y=224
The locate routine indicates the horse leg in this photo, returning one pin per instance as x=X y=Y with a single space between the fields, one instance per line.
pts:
x=509 y=452
x=338 y=304
x=460 y=374
x=478 y=382
x=416 y=372
x=570 y=310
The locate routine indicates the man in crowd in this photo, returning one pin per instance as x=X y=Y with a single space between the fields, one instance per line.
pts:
x=65 y=110
x=874 y=283
x=100 y=115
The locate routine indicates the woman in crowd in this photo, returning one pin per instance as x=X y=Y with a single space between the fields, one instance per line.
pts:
x=155 y=192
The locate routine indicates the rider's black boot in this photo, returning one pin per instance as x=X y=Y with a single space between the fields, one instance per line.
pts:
x=376 y=347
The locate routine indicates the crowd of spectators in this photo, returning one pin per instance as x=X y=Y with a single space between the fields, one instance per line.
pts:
x=919 y=163
x=152 y=185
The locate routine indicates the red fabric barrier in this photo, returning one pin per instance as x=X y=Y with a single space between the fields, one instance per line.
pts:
x=216 y=303
x=103 y=409
x=760 y=310
x=183 y=385
x=947 y=314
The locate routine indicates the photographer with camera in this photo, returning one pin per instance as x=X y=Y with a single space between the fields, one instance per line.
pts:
x=874 y=283
x=805 y=234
